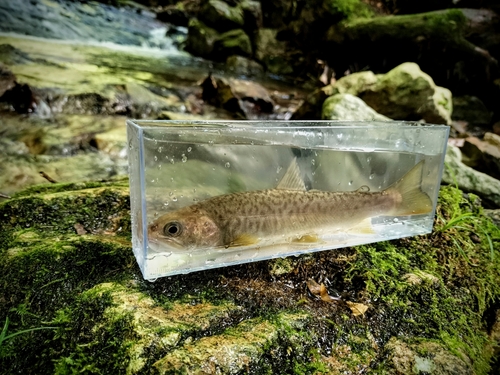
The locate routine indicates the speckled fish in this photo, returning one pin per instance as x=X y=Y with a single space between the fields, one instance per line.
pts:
x=287 y=214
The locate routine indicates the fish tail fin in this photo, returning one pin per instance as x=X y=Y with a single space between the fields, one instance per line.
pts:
x=413 y=200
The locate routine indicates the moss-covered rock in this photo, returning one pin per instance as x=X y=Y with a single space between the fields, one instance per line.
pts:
x=221 y=16
x=407 y=305
x=349 y=108
x=233 y=42
x=406 y=92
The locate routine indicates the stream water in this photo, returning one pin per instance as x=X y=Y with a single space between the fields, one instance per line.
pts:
x=82 y=59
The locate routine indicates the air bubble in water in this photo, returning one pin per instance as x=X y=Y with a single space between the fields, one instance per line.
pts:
x=369 y=159
x=174 y=199
x=184 y=158
x=396 y=220
x=278 y=170
x=313 y=161
x=171 y=193
x=372 y=176
x=350 y=183
x=189 y=149
x=227 y=165
x=156 y=158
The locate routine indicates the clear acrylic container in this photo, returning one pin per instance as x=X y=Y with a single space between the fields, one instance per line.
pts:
x=208 y=194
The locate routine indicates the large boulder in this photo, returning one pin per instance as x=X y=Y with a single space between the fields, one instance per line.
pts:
x=407 y=93
x=221 y=16
x=233 y=42
x=441 y=42
x=201 y=38
x=350 y=108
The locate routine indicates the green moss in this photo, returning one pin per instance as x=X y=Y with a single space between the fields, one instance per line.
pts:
x=426 y=296
x=438 y=286
x=348 y=8
x=447 y=26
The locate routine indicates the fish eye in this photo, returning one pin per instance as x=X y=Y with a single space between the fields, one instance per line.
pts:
x=172 y=229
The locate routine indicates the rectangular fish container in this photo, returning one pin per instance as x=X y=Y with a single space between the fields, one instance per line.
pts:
x=207 y=194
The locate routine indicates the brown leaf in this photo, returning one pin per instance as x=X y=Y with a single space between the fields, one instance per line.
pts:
x=357 y=308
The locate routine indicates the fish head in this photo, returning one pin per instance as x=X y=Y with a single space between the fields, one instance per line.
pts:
x=188 y=229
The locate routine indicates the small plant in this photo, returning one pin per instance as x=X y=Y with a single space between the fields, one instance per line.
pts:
x=4 y=337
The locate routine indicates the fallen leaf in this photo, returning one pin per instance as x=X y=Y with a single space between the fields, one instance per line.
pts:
x=357 y=308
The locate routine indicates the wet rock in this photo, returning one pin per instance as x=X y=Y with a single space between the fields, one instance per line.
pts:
x=22 y=171
x=233 y=42
x=144 y=103
x=7 y=80
x=272 y=52
x=472 y=111
x=244 y=66
x=408 y=93
x=174 y=14
x=201 y=38
x=349 y=107
x=468 y=179
x=246 y=98
x=407 y=359
x=21 y=98
x=483 y=155
x=221 y=16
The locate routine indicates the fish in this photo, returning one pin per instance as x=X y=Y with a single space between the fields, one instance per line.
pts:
x=289 y=213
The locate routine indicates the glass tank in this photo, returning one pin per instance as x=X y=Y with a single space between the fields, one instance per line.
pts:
x=208 y=194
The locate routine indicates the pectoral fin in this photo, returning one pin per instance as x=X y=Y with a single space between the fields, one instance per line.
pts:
x=244 y=239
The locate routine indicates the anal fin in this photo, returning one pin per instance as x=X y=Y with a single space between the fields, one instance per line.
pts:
x=363 y=227
x=307 y=238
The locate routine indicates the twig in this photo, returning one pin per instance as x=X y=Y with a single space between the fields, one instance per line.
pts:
x=4 y=196
x=47 y=177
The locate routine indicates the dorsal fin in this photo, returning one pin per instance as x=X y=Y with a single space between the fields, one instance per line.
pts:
x=291 y=180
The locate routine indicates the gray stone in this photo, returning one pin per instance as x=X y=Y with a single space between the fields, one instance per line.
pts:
x=468 y=179
x=349 y=107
